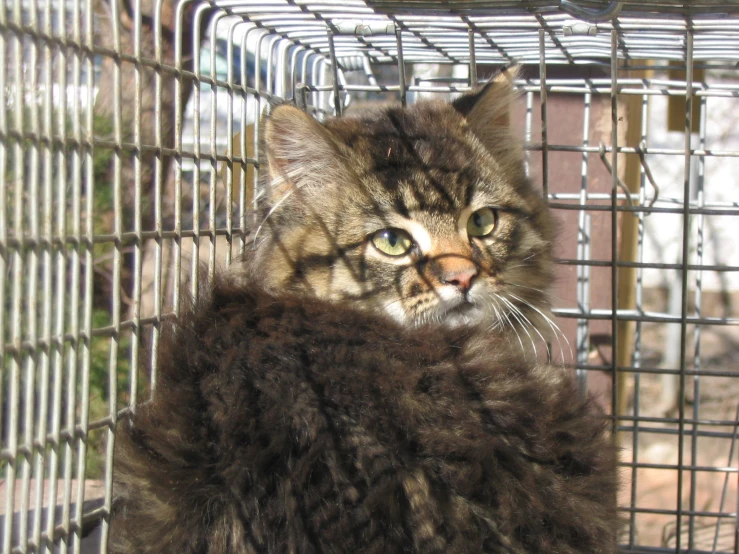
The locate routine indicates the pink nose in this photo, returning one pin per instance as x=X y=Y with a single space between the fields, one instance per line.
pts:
x=460 y=279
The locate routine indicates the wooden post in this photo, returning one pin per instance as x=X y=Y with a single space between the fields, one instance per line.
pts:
x=628 y=250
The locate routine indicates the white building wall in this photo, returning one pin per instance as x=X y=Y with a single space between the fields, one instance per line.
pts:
x=663 y=240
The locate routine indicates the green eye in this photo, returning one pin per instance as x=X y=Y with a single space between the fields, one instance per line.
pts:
x=482 y=222
x=392 y=242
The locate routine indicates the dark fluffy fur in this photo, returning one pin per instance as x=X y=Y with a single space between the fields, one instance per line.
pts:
x=291 y=425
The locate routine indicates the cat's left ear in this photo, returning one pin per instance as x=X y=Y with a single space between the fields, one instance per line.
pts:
x=301 y=155
x=488 y=110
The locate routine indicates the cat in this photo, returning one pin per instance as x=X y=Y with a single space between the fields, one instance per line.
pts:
x=359 y=388
x=443 y=185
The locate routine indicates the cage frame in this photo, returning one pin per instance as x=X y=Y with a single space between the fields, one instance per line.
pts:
x=46 y=255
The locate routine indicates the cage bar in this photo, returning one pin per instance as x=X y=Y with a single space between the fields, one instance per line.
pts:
x=105 y=232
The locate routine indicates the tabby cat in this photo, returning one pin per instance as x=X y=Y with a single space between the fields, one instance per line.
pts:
x=364 y=386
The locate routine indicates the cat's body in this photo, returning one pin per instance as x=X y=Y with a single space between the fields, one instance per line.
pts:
x=366 y=388
x=289 y=425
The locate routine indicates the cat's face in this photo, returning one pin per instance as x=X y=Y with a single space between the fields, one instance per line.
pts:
x=422 y=213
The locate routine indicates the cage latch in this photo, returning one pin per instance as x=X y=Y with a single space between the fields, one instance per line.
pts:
x=578 y=27
x=362 y=28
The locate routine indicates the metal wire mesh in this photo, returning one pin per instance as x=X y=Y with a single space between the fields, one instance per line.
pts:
x=127 y=155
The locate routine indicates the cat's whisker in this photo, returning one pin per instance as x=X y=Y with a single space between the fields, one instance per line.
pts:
x=490 y=308
x=523 y=261
x=558 y=333
x=526 y=287
x=539 y=251
x=517 y=266
x=511 y=325
x=530 y=323
x=515 y=314
x=524 y=321
x=502 y=318
x=518 y=335
x=555 y=328
x=498 y=318
x=544 y=292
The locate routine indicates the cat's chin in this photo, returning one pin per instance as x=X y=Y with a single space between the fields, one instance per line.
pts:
x=463 y=315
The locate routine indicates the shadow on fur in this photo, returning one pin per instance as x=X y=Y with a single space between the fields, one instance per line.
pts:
x=288 y=424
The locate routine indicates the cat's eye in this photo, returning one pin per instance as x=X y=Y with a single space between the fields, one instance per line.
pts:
x=482 y=222
x=393 y=242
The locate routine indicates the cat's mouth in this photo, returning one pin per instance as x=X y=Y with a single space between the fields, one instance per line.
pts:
x=463 y=308
x=463 y=313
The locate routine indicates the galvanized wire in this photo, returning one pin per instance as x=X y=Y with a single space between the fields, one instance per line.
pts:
x=281 y=49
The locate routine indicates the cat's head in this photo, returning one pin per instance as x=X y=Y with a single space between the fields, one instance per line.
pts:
x=423 y=213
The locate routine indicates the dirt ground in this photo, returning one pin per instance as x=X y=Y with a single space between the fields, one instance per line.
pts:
x=711 y=462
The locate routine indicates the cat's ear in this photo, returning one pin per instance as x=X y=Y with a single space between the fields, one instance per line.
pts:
x=487 y=110
x=300 y=153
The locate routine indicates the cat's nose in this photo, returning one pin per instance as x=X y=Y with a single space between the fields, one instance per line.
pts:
x=462 y=279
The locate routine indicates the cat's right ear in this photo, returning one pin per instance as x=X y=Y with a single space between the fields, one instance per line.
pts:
x=487 y=110
x=491 y=104
x=300 y=153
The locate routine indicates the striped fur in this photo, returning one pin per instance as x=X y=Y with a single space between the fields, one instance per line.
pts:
x=290 y=425
x=340 y=400
x=422 y=169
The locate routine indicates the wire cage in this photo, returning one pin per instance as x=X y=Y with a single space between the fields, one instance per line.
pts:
x=129 y=170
